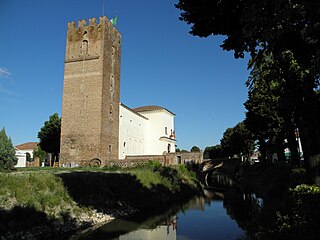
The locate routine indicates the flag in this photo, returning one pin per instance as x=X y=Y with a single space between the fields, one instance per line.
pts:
x=114 y=20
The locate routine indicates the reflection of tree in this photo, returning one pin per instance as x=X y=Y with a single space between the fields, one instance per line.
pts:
x=250 y=214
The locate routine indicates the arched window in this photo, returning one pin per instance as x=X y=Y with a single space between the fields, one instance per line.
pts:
x=84 y=46
x=28 y=157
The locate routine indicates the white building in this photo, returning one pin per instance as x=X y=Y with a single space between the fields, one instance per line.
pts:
x=147 y=130
x=24 y=152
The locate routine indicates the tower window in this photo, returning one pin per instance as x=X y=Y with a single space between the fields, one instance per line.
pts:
x=110 y=148
x=84 y=47
x=166 y=131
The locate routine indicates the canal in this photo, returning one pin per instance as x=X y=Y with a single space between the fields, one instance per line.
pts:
x=216 y=215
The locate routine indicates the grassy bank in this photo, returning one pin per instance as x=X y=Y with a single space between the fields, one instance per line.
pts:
x=41 y=201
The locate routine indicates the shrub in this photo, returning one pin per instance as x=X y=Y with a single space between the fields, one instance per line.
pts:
x=301 y=220
x=298 y=176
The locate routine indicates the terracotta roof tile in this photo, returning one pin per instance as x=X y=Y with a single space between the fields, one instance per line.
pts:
x=27 y=145
x=150 y=108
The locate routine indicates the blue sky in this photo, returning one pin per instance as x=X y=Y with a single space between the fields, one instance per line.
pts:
x=161 y=64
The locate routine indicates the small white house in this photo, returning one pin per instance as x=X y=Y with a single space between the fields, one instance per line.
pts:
x=24 y=152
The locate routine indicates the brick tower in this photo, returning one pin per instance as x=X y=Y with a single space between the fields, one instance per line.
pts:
x=91 y=94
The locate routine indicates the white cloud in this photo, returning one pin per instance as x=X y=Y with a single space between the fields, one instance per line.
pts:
x=4 y=73
x=8 y=92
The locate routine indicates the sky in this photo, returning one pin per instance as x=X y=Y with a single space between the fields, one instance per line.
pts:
x=161 y=64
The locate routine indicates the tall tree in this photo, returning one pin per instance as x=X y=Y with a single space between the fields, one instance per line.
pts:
x=237 y=141
x=49 y=136
x=270 y=115
x=7 y=152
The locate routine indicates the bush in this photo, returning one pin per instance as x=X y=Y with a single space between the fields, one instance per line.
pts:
x=301 y=220
x=298 y=176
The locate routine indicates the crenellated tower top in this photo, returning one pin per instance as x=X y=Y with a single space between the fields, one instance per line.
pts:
x=104 y=22
x=83 y=39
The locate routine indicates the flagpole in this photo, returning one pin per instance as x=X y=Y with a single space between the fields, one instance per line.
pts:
x=103 y=6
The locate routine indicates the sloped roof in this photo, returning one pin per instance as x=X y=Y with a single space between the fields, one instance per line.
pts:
x=150 y=108
x=27 y=145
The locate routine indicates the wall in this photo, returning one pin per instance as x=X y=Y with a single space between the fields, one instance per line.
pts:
x=22 y=158
x=132 y=132
x=185 y=157
x=157 y=139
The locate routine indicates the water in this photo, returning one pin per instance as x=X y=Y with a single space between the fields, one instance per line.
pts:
x=215 y=216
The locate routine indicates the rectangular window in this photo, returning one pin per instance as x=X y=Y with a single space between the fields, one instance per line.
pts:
x=166 y=131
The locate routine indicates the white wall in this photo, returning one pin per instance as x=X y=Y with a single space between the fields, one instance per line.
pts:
x=156 y=138
x=22 y=158
x=145 y=133
x=131 y=133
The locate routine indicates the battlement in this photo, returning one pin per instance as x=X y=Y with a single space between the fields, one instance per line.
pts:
x=82 y=24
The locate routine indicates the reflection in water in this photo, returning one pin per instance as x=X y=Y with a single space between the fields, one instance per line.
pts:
x=217 y=215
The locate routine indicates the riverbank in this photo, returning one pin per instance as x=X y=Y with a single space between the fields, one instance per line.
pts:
x=50 y=204
x=290 y=207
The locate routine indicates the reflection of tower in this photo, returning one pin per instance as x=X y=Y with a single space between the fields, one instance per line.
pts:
x=91 y=94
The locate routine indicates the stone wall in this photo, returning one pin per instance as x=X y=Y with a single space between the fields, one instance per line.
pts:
x=185 y=157
x=171 y=158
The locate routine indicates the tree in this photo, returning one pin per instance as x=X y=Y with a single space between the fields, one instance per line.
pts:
x=195 y=149
x=237 y=141
x=49 y=136
x=269 y=27
x=270 y=116
x=7 y=152
x=38 y=152
x=214 y=152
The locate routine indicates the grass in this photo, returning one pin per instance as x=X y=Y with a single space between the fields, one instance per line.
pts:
x=42 y=191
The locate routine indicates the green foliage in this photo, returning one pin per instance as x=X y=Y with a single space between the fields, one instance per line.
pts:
x=195 y=149
x=237 y=141
x=7 y=152
x=304 y=190
x=38 y=152
x=172 y=178
x=112 y=168
x=214 y=152
x=49 y=135
x=301 y=220
x=249 y=27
